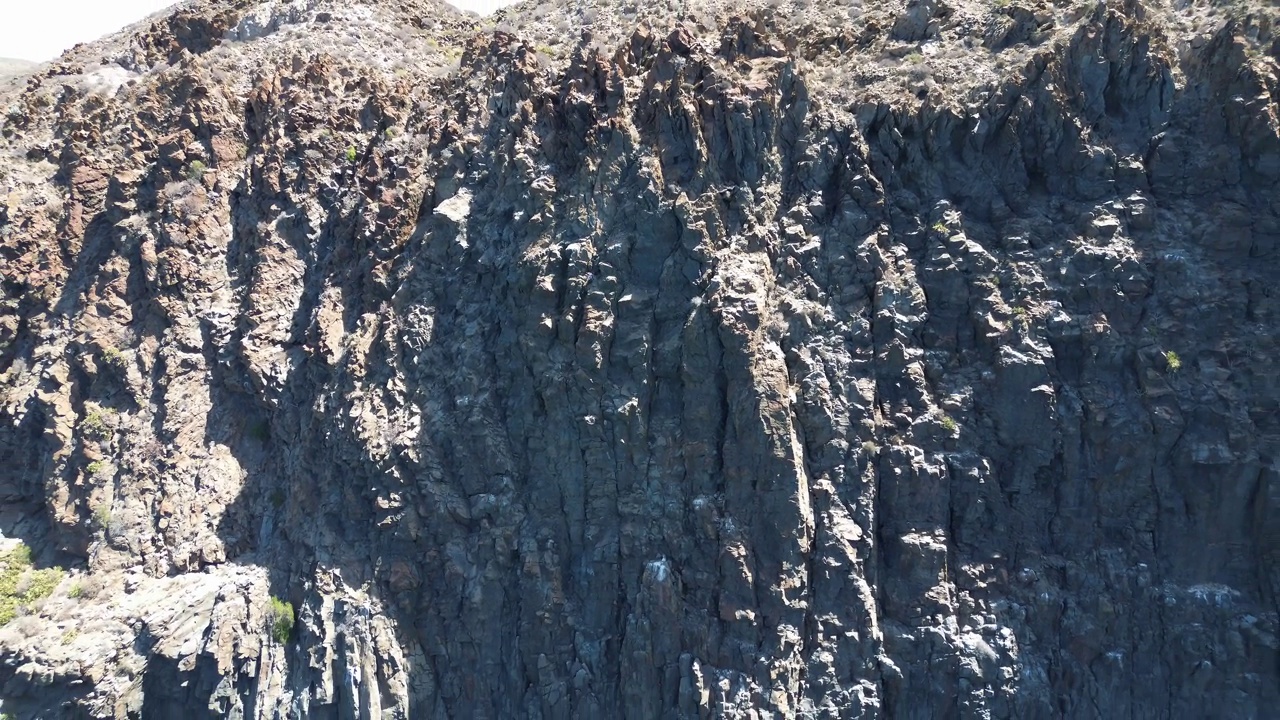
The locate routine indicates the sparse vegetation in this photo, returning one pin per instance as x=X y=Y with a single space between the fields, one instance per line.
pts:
x=94 y=468
x=940 y=227
x=1172 y=363
x=21 y=585
x=70 y=636
x=76 y=591
x=351 y=154
x=949 y=424
x=280 y=618
x=113 y=358
x=196 y=170
x=102 y=515
x=914 y=58
x=870 y=447
x=95 y=425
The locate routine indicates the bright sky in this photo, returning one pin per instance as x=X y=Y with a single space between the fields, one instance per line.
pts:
x=40 y=30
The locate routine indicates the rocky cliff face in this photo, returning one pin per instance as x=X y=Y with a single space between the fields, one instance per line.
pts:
x=607 y=360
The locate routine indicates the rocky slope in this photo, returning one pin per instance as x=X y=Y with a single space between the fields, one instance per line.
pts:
x=607 y=359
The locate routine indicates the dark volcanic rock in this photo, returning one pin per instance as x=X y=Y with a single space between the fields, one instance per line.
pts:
x=907 y=361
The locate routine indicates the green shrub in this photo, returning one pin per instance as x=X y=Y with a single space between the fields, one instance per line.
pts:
x=94 y=467
x=196 y=170
x=21 y=585
x=95 y=425
x=1172 y=362
x=940 y=227
x=351 y=154
x=949 y=424
x=102 y=515
x=76 y=591
x=280 y=618
x=112 y=358
x=42 y=583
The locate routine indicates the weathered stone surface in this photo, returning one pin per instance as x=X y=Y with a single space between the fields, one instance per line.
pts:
x=898 y=360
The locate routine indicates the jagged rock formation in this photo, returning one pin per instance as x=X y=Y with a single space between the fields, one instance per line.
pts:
x=724 y=360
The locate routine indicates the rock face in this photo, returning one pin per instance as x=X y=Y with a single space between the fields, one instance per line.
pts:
x=793 y=360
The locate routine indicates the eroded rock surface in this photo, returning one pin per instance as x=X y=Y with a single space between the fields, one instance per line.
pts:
x=908 y=360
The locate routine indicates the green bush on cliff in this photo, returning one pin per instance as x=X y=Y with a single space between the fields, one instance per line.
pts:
x=95 y=425
x=112 y=358
x=196 y=170
x=22 y=585
x=280 y=617
x=102 y=515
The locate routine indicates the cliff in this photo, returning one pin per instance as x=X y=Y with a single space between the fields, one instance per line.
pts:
x=368 y=359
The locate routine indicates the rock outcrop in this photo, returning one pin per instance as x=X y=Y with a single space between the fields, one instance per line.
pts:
x=706 y=359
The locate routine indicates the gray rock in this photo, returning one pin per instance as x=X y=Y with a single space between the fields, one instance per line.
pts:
x=893 y=361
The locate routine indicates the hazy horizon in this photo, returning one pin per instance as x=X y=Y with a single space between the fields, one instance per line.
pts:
x=39 y=32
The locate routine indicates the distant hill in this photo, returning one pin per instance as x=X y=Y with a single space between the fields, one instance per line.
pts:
x=10 y=67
